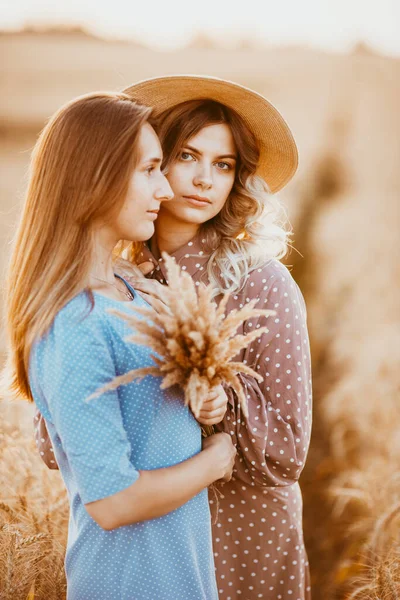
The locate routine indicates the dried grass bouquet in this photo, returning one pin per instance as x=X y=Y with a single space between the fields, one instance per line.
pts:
x=192 y=339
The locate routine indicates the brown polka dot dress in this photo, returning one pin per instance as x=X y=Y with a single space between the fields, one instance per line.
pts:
x=258 y=535
x=257 y=522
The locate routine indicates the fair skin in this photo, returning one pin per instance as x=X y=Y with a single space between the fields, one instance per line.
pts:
x=148 y=188
x=157 y=492
x=205 y=168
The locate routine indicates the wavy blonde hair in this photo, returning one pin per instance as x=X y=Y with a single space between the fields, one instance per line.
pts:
x=252 y=226
x=79 y=175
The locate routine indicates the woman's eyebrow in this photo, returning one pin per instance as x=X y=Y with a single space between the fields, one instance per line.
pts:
x=156 y=160
x=196 y=151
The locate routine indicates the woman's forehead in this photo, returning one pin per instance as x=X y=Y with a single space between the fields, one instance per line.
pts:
x=215 y=137
x=149 y=144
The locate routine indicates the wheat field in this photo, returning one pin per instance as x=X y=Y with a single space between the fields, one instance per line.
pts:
x=344 y=208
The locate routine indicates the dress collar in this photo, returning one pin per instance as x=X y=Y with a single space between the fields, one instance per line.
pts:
x=191 y=256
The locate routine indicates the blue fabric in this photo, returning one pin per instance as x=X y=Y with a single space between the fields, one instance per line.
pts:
x=101 y=445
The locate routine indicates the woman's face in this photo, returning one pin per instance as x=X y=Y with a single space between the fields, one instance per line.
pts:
x=202 y=176
x=147 y=190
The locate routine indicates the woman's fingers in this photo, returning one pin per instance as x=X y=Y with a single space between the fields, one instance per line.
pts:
x=146 y=267
x=132 y=271
x=214 y=407
x=216 y=397
x=152 y=287
x=135 y=275
x=212 y=414
x=148 y=299
x=158 y=305
x=130 y=278
x=213 y=392
x=126 y=269
x=214 y=404
x=211 y=418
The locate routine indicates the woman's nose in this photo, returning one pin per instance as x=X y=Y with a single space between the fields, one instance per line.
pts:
x=165 y=191
x=203 y=178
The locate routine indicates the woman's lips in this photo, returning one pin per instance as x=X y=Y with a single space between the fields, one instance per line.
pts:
x=153 y=214
x=197 y=201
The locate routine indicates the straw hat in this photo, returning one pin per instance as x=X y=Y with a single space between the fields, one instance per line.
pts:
x=278 y=151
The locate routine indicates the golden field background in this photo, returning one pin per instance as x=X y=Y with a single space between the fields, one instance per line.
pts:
x=344 y=208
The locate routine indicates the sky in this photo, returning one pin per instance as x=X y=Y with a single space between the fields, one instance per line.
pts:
x=329 y=24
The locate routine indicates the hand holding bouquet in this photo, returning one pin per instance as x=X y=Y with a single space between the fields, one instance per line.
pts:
x=192 y=339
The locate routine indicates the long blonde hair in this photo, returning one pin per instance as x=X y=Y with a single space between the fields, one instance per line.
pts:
x=79 y=174
x=252 y=226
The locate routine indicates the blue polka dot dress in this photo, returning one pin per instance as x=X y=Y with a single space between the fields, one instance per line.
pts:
x=100 y=445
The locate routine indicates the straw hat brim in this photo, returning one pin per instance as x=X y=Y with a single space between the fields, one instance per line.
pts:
x=278 y=152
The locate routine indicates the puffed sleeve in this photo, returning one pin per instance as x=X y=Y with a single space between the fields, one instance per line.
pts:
x=69 y=364
x=273 y=442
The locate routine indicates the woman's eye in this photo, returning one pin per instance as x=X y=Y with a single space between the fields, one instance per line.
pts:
x=224 y=166
x=149 y=170
x=186 y=156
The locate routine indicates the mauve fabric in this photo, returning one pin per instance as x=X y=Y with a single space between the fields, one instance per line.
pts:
x=257 y=526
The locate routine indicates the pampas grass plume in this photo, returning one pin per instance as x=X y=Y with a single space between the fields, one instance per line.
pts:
x=192 y=340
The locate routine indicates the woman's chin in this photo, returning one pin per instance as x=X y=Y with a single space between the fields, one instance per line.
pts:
x=190 y=214
x=144 y=233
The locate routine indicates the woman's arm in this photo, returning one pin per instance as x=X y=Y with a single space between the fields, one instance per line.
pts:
x=273 y=442
x=75 y=360
x=158 y=492
x=212 y=412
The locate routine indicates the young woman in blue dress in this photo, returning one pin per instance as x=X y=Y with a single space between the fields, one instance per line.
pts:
x=133 y=462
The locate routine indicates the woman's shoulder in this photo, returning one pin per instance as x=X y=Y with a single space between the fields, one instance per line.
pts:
x=79 y=310
x=78 y=333
x=78 y=319
x=273 y=275
x=274 y=286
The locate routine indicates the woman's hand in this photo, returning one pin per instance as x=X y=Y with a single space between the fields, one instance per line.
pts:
x=151 y=290
x=214 y=407
x=131 y=271
x=224 y=453
x=156 y=294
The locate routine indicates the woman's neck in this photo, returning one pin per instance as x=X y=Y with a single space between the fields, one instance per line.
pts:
x=171 y=235
x=102 y=263
x=101 y=274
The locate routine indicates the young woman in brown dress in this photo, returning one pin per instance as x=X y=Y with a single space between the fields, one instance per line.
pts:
x=227 y=150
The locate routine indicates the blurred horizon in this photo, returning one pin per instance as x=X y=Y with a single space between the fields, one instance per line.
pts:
x=200 y=40
x=317 y=24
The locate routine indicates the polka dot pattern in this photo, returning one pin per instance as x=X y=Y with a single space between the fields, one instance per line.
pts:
x=258 y=537
x=101 y=445
x=258 y=540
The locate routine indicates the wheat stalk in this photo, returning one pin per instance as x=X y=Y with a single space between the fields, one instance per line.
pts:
x=192 y=340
